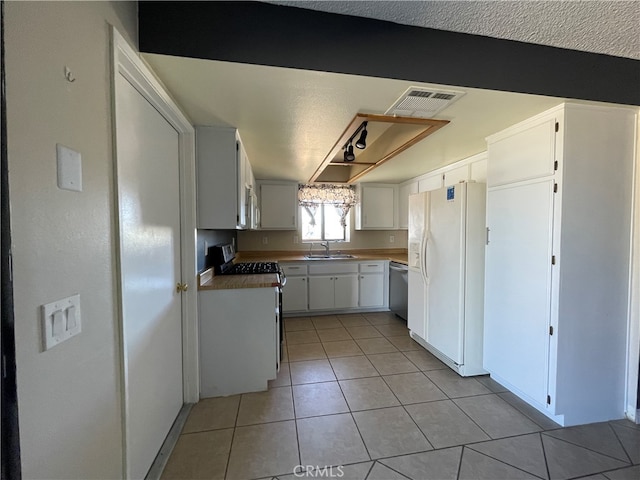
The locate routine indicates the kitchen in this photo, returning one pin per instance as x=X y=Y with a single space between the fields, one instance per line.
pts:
x=97 y=340
x=472 y=167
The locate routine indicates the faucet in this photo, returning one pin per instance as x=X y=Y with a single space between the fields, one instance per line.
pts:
x=326 y=248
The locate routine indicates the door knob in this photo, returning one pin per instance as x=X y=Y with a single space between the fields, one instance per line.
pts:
x=182 y=287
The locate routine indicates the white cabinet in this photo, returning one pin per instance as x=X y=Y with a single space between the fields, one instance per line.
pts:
x=372 y=291
x=278 y=206
x=333 y=292
x=222 y=168
x=321 y=292
x=432 y=182
x=239 y=340
x=557 y=260
x=456 y=175
x=333 y=286
x=403 y=203
x=295 y=292
x=376 y=209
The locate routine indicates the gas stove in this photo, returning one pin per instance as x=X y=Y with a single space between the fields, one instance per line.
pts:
x=249 y=268
x=223 y=255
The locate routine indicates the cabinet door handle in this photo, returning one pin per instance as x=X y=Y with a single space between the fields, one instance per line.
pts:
x=293 y=220
x=304 y=279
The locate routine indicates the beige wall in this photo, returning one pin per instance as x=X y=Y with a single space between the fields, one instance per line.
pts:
x=283 y=240
x=63 y=242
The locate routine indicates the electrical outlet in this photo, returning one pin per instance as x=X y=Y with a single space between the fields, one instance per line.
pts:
x=392 y=238
x=265 y=240
x=295 y=239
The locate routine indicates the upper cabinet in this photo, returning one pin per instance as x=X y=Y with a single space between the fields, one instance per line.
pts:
x=278 y=205
x=224 y=179
x=377 y=207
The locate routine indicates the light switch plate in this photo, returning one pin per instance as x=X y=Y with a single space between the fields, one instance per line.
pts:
x=69 y=168
x=60 y=321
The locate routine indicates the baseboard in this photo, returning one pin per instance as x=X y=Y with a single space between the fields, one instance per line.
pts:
x=157 y=467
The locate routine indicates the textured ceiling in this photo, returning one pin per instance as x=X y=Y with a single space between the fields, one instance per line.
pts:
x=608 y=27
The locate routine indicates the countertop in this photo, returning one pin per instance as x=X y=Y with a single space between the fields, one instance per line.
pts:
x=208 y=281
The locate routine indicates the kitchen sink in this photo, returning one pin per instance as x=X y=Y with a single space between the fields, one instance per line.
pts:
x=322 y=256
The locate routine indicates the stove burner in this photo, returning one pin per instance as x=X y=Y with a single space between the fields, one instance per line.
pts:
x=251 y=268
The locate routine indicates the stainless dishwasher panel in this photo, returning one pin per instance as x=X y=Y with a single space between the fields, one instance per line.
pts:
x=398 y=289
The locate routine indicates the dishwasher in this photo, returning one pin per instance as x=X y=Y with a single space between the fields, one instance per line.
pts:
x=398 y=289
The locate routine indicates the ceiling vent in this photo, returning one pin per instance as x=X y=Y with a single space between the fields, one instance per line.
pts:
x=423 y=103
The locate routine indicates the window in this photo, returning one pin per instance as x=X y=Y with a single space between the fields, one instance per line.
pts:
x=323 y=223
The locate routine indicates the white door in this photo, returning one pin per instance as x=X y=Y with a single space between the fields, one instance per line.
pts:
x=445 y=268
x=321 y=296
x=372 y=290
x=149 y=221
x=346 y=291
x=378 y=207
x=294 y=294
x=518 y=285
x=278 y=206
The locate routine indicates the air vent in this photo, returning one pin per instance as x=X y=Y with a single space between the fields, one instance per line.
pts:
x=423 y=103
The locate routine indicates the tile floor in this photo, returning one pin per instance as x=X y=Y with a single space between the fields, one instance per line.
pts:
x=357 y=399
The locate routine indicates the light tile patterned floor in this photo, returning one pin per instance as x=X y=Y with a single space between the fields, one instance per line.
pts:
x=358 y=399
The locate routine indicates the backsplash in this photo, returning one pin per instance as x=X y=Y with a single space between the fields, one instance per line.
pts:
x=211 y=237
x=284 y=240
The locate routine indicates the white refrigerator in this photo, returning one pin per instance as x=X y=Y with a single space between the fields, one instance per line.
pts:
x=447 y=236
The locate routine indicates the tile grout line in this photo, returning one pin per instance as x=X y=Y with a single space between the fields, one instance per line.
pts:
x=620 y=442
x=351 y=414
x=460 y=462
x=393 y=469
x=233 y=436
x=508 y=464
x=544 y=455
x=630 y=462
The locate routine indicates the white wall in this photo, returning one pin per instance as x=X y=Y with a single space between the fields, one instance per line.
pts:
x=283 y=240
x=63 y=242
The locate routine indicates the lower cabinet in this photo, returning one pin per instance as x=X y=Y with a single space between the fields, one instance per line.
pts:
x=294 y=294
x=330 y=285
x=372 y=290
x=333 y=292
x=239 y=340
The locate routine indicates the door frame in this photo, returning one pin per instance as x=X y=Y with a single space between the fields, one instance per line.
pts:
x=127 y=62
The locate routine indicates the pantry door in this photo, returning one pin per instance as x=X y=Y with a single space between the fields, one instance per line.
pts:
x=148 y=186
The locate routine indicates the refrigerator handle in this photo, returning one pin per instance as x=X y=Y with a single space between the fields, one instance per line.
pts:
x=425 y=246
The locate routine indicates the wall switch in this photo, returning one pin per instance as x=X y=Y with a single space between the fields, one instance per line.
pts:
x=69 y=168
x=265 y=240
x=60 y=321
x=392 y=238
